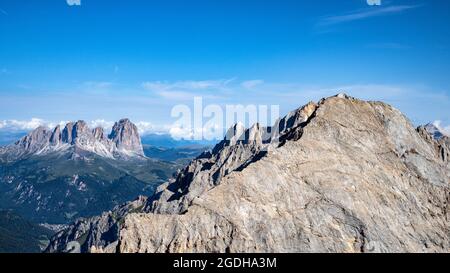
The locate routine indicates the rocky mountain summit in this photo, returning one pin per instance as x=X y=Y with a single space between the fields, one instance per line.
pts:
x=340 y=175
x=77 y=138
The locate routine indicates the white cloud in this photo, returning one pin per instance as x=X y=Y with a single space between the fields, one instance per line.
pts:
x=208 y=132
x=178 y=133
x=443 y=129
x=360 y=15
x=52 y=125
x=73 y=2
x=251 y=84
x=101 y=123
x=145 y=127
x=21 y=125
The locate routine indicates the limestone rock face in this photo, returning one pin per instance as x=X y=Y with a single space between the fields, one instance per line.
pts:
x=56 y=138
x=437 y=139
x=240 y=148
x=67 y=133
x=35 y=140
x=97 y=232
x=343 y=175
x=98 y=133
x=126 y=137
x=76 y=138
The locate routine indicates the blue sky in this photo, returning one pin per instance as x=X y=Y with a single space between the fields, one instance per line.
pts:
x=104 y=60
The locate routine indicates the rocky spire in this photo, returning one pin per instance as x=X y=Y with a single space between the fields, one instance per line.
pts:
x=67 y=133
x=126 y=137
x=80 y=129
x=254 y=134
x=235 y=133
x=55 y=139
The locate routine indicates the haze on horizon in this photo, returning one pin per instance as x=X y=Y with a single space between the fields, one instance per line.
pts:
x=105 y=60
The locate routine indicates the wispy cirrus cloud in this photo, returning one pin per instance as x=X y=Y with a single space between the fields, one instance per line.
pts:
x=373 y=11
x=73 y=2
x=180 y=90
x=251 y=84
x=186 y=85
x=101 y=123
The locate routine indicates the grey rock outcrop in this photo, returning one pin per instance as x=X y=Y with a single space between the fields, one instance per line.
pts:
x=343 y=175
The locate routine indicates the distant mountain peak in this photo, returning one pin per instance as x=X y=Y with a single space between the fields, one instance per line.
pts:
x=123 y=141
x=125 y=135
x=434 y=131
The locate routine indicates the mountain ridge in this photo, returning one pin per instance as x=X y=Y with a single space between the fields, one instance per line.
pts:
x=343 y=175
x=79 y=140
x=57 y=175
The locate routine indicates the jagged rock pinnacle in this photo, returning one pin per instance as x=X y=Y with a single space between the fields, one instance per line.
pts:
x=125 y=135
